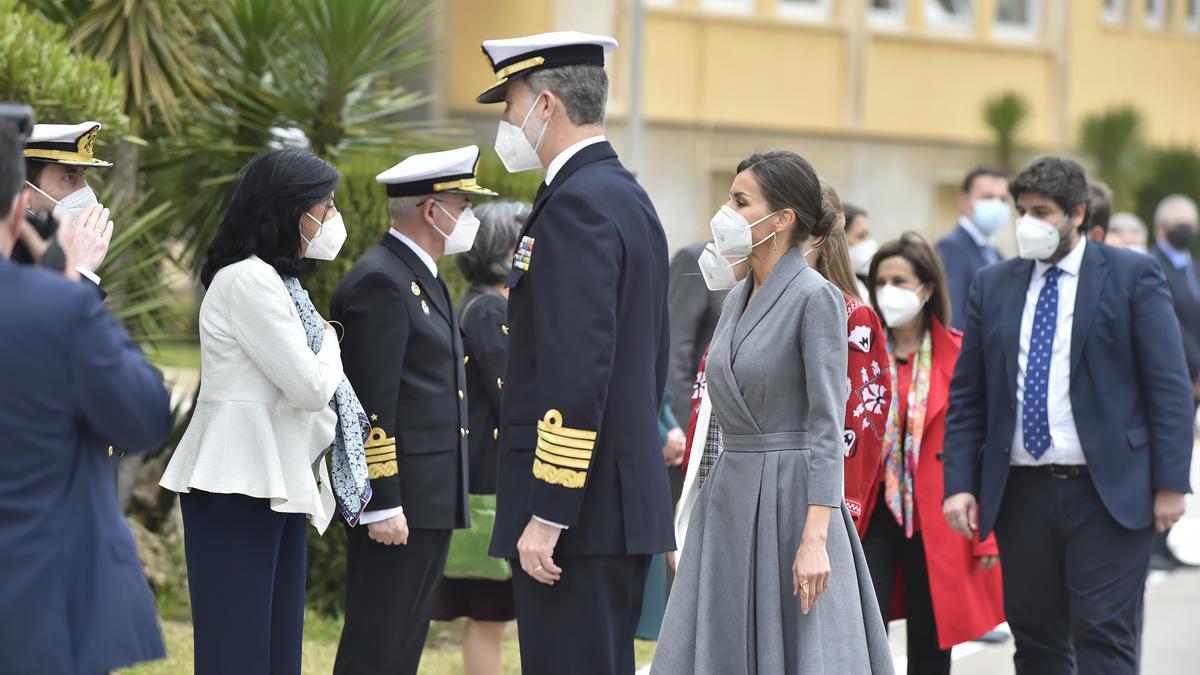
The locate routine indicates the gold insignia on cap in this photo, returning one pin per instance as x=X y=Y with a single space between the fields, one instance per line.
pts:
x=415 y=288
x=374 y=417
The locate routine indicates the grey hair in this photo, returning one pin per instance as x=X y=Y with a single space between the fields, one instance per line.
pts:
x=399 y=206
x=487 y=262
x=582 y=89
x=1171 y=204
x=1127 y=225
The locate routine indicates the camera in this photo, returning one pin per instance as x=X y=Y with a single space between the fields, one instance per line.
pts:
x=19 y=115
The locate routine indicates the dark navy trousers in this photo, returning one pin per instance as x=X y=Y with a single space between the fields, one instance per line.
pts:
x=246 y=572
x=1074 y=579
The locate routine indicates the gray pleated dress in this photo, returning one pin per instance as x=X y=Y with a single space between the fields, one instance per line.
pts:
x=777 y=377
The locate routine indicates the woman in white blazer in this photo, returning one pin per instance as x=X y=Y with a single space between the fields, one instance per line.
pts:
x=250 y=468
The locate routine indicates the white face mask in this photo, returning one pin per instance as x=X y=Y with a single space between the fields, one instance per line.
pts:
x=330 y=236
x=861 y=255
x=898 y=305
x=1037 y=239
x=719 y=274
x=462 y=238
x=516 y=151
x=73 y=205
x=731 y=232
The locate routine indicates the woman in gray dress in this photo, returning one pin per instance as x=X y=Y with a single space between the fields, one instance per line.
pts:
x=774 y=579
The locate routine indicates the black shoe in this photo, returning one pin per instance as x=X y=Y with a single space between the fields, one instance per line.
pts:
x=993 y=637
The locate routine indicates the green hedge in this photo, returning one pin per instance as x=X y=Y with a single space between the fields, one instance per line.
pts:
x=1171 y=171
x=363 y=204
x=64 y=87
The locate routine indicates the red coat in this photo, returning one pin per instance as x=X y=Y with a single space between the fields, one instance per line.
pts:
x=967 y=600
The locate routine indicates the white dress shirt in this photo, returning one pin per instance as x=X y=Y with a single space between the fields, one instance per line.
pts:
x=1065 y=447
x=565 y=156
x=369 y=517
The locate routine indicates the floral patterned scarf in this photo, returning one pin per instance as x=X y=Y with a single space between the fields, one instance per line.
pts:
x=351 y=485
x=900 y=456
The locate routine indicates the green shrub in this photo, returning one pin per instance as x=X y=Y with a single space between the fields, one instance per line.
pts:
x=1172 y=171
x=37 y=67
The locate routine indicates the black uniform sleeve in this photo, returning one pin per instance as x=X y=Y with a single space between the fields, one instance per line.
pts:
x=376 y=325
x=577 y=270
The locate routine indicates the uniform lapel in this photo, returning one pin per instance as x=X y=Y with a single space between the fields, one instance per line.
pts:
x=430 y=287
x=1010 y=320
x=1092 y=273
x=791 y=264
x=592 y=153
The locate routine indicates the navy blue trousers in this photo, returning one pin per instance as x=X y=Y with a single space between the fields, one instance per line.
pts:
x=584 y=624
x=1074 y=579
x=246 y=570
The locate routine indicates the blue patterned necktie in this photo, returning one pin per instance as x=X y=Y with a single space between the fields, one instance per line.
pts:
x=1035 y=420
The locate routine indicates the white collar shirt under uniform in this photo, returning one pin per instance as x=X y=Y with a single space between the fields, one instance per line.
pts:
x=425 y=257
x=1065 y=447
x=565 y=156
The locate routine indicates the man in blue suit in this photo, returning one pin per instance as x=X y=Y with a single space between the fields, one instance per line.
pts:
x=1069 y=430
x=969 y=247
x=74 y=599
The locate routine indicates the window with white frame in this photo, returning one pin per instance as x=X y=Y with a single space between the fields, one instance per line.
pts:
x=887 y=13
x=1017 y=19
x=733 y=6
x=953 y=15
x=1155 y=13
x=1114 y=12
x=812 y=10
x=1192 y=16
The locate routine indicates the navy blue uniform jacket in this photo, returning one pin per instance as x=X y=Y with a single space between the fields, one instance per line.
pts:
x=587 y=364
x=1130 y=392
x=73 y=599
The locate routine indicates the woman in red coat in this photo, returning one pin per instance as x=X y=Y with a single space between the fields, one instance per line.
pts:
x=948 y=587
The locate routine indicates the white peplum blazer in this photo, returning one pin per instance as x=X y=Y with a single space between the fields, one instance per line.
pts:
x=262 y=423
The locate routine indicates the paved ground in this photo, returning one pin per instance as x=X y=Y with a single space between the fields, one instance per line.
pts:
x=1172 y=631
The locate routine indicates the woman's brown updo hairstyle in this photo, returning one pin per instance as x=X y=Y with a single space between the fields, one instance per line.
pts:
x=788 y=181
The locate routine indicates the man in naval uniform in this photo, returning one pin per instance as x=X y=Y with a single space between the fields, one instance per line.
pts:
x=582 y=494
x=57 y=157
x=403 y=354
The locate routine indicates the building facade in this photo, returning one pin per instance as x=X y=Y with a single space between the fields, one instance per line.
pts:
x=885 y=97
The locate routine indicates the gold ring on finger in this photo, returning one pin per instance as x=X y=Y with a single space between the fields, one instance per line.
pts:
x=804 y=586
x=538 y=568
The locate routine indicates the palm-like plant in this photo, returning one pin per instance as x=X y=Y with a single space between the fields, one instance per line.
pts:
x=301 y=66
x=1005 y=114
x=1112 y=140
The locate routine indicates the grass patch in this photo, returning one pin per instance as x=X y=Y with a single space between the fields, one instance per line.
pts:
x=443 y=654
x=178 y=355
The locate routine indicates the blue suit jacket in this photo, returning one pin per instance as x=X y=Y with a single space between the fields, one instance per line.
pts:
x=1130 y=392
x=587 y=366
x=73 y=599
x=962 y=258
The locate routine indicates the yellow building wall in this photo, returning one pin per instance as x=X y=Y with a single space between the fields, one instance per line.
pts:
x=935 y=88
x=1157 y=71
x=706 y=68
x=468 y=24
x=760 y=71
